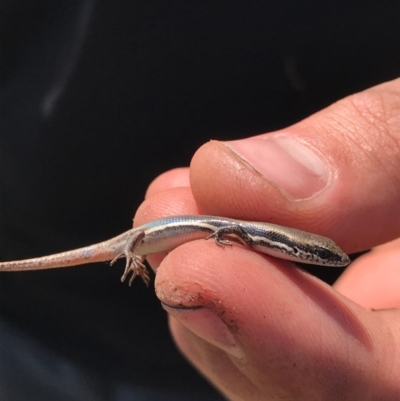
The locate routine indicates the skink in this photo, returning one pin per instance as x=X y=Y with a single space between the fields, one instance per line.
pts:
x=168 y=233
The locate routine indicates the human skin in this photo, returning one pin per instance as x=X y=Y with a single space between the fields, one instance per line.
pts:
x=260 y=328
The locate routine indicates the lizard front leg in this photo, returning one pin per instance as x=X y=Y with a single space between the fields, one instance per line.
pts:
x=224 y=235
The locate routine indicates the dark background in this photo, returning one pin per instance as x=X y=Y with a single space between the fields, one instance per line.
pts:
x=96 y=99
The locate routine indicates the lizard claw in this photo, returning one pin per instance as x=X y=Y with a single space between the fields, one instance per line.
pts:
x=235 y=233
x=134 y=264
x=219 y=240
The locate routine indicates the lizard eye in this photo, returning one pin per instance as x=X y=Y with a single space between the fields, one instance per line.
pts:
x=323 y=253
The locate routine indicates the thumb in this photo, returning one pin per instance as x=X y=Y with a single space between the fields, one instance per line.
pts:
x=336 y=173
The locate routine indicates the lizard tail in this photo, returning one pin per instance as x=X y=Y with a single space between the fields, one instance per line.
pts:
x=101 y=252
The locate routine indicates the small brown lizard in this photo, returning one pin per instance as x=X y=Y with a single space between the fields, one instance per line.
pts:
x=166 y=234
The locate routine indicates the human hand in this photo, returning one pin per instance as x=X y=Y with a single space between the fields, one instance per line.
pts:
x=260 y=328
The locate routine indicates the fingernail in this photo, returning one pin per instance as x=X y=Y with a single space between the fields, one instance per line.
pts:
x=208 y=326
x=288 y=163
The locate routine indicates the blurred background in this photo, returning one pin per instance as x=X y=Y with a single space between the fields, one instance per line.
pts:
x=96 y=99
